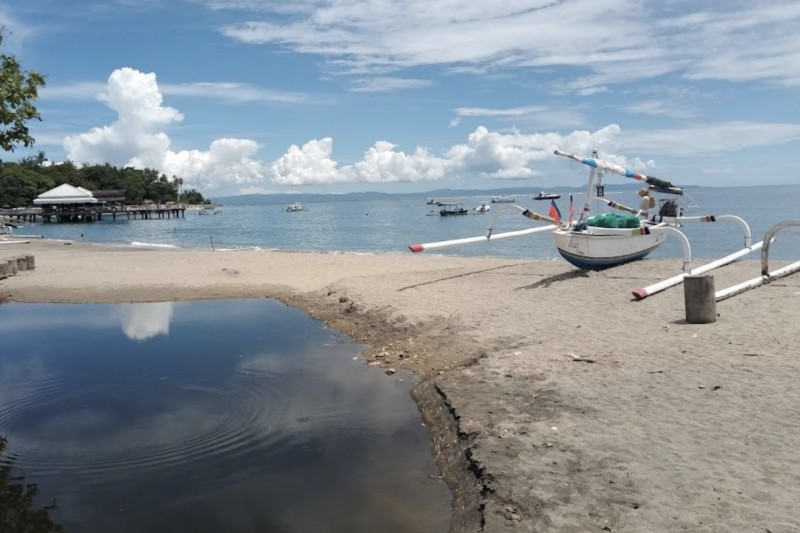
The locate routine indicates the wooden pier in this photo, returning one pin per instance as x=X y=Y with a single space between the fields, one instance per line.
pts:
x=82 y=213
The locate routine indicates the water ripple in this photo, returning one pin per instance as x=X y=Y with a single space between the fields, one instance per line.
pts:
x=202 y=423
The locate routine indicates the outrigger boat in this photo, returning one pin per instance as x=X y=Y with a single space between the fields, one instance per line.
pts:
x=607 y=240
x=604 y=241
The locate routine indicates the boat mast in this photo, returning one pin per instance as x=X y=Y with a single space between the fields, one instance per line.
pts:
x=587 y=198
x=601 y=186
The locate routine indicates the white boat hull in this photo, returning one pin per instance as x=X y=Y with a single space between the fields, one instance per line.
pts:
x=598 y=248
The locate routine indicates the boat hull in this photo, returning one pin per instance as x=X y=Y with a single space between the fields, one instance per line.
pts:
x=599 y=248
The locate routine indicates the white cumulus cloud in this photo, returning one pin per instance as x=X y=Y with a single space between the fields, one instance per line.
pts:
x=136 y=139
x=382 y=163
x=311 y=164
x=135 y=97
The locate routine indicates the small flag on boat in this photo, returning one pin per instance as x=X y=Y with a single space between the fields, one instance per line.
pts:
x=570 y=210
x=555 y=214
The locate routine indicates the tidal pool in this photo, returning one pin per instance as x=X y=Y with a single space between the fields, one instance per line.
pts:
x=234 y=415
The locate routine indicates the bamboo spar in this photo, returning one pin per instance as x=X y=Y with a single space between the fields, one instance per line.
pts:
x=489 y=236
x=766 y=276
x=669 y=282
x=644 y=292
x=601 y=164
x=416 y=248
x=757 y=282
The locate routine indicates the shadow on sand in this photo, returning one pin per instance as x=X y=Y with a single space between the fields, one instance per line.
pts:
x=548 y=281
x=465 y=274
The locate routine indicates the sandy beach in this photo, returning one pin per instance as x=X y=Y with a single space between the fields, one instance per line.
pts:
x=555 y=402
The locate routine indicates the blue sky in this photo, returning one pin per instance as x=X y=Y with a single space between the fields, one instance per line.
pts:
x=242 y=96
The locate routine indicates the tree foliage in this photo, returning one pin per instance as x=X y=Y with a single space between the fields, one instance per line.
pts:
x=21 y=182
x=18 y=92
x=17 y=512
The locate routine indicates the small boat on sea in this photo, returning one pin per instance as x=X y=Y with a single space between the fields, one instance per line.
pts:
x=432 y=201
x=291 y=208
x=207 y=209
x=5 y=228
x=7 y=236
x=452 y=209
x=547 y=196
x=503 y=199
x=483 y=208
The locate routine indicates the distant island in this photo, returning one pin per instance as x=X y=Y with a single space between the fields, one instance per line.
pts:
x=282 y=198
x=519 y=193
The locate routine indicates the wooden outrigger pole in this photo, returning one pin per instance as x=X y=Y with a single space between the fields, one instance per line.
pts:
x=416 y=248
x=766 y=276
x=650 y=290
x=489 y=236
x=644 y=292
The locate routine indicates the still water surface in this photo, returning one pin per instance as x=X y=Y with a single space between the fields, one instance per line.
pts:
x=234 y=416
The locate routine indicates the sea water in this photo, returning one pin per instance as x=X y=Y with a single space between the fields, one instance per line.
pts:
x=388 y=225
x=235 y=416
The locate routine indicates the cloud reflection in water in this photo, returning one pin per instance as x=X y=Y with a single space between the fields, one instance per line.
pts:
x=235 y=416
x=144 y=321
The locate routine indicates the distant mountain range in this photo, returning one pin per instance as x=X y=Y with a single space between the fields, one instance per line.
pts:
x=287 y=198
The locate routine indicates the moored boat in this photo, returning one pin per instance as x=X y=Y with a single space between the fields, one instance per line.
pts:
x=547 y=196
x=207 y=209
x=447 y=210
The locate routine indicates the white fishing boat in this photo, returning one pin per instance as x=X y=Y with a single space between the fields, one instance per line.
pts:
x=5 y=228
x=483 y=208
x=547 y=196
x=596 y=241
x=293 y=208
x=7 y=233
x=207 y=209
x=503 y=199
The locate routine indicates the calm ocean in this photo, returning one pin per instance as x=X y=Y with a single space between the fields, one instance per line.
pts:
x=390 y=224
